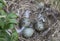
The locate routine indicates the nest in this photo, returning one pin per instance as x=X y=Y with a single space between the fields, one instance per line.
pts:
x=52 y=18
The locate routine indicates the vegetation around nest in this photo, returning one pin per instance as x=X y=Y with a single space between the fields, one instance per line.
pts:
x=7 y=21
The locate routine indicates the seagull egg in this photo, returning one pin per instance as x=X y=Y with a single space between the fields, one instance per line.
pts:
x=39 y=26
x=28 y=32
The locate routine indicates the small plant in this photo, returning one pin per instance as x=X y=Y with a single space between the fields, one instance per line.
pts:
x=7 y=21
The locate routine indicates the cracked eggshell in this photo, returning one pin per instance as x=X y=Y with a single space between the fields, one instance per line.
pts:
x=28 y=32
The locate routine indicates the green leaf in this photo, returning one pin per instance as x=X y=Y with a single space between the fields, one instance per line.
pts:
x=4 y=36
x=2 y=23
x=11 y=26
x=2 y=12
x=2 y=1
x=14 y=36
x=13 y=21
x=1 y=5
x=12 y=15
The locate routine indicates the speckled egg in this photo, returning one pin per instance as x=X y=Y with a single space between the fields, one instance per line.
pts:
x=28 y=32
x=39 y=26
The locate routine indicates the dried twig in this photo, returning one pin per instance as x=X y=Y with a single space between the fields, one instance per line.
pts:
x=55 y=33
x=45 y=32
